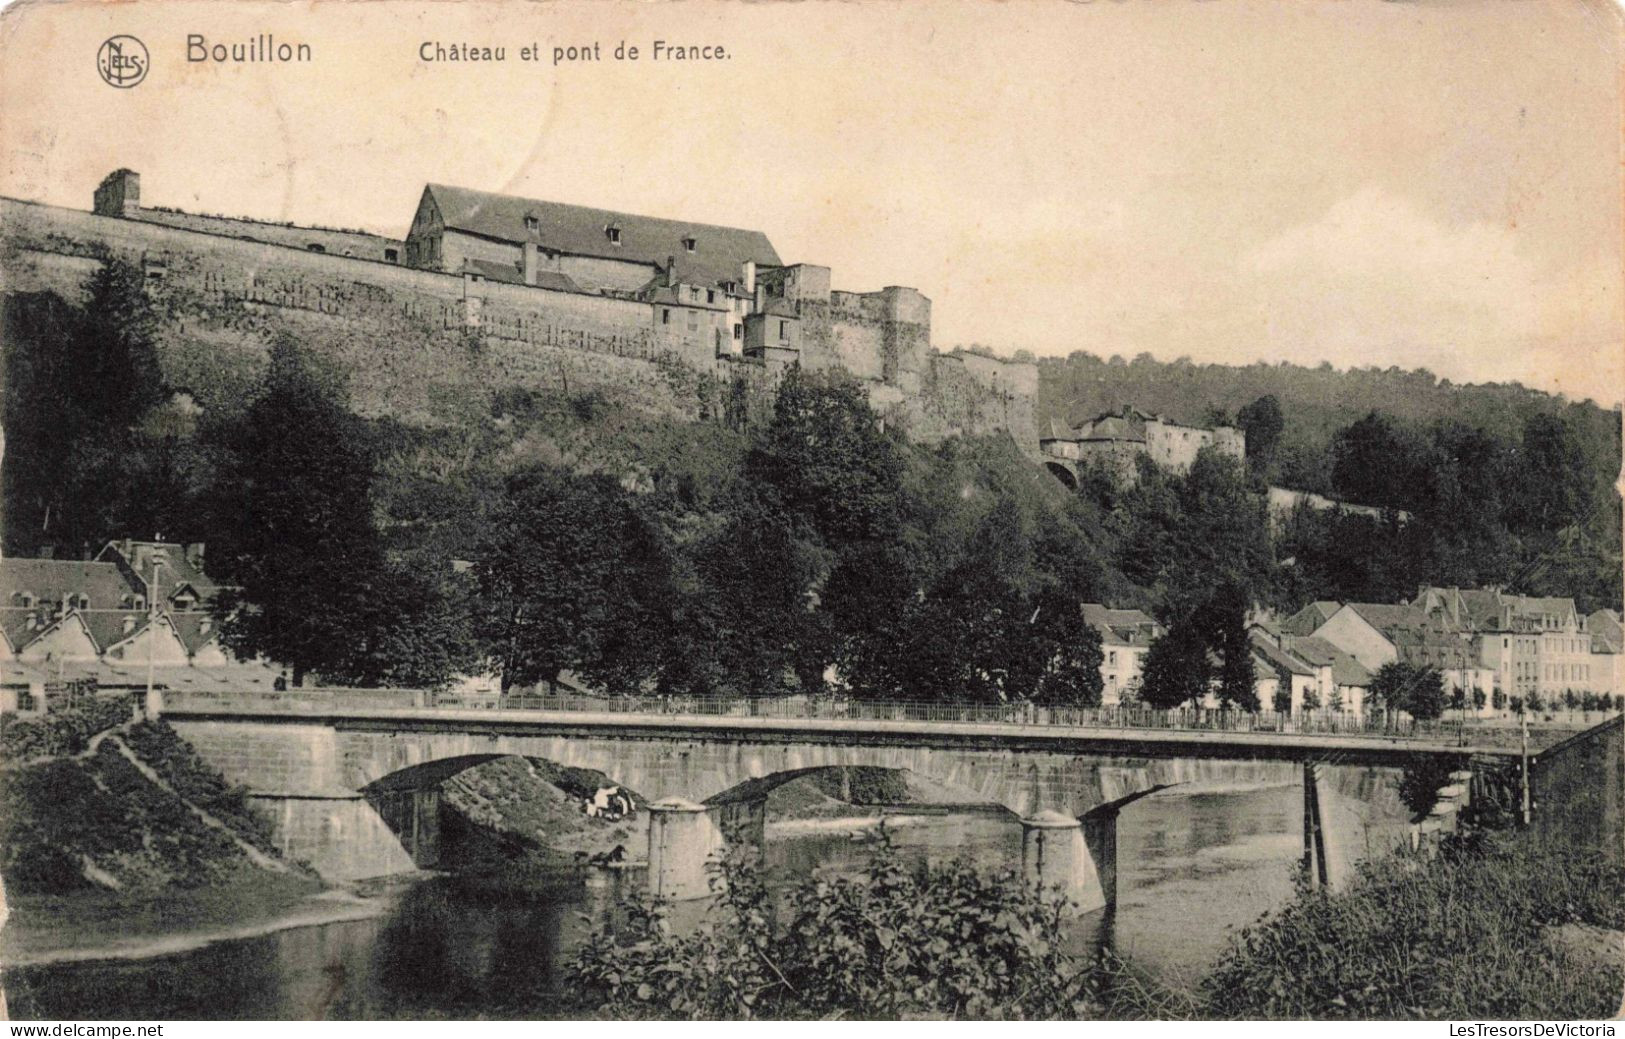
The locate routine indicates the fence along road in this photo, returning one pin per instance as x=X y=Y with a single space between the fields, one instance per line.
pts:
x=1108 y=730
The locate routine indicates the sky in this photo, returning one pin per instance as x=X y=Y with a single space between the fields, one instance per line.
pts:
x=1422 y=183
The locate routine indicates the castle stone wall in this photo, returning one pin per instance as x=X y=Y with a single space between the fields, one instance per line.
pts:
x=409 y=339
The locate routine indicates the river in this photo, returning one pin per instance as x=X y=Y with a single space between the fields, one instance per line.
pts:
x=1194 y=866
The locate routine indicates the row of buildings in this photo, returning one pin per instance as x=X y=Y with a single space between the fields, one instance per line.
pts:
x=143 y=607
x=1490 y=645
x=136 y=607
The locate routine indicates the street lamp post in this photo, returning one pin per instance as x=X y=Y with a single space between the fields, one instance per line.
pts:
x=157 y=559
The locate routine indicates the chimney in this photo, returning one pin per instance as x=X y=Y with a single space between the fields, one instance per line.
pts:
x=194 y=555
x=750 y=277
x=532 y=262
x=671 y=270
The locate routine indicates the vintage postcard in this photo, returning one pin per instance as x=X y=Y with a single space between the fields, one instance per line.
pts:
x=945 y=510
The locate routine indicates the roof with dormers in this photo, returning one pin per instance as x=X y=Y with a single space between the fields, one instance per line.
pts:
x=718 y=252
x=47 y=581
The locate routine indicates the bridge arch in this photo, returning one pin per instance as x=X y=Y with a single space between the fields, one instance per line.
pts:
x=1063 y=471
x=409 y=800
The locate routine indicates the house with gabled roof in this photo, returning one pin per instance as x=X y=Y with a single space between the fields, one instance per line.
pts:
x=182 y=583
x=1306 y=620
x=1375 y=634
x=1534 y=644
x=58 y=585
x=1125 y=636
x=64 y=639
x=139 y=639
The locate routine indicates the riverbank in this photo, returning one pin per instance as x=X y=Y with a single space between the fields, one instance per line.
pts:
x=116 y=926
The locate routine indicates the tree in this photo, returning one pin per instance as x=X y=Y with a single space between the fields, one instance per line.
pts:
x=833 y=465
x=1556 y=486
x=1413 y=688
x=78 y=381
x=572 y=577
x=1176 y=670
x=1376 y=462
x=296 y=541
x=1070 y=652
x=1223 y=625
x=1262 y=423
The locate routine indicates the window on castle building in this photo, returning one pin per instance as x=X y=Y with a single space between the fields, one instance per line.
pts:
x=710 y=296
x=392 y=255
x=739 y=331
x=784 y=331
x=665 y=315
x=613 y=233
x=689 y=244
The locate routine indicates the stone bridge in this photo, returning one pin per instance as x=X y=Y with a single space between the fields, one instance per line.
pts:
x=323 y=775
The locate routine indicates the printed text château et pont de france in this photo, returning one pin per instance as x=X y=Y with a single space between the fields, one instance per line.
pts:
x=580 y=53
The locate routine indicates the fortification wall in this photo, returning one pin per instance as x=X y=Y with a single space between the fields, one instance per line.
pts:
x=413 y=340
x=337 y=241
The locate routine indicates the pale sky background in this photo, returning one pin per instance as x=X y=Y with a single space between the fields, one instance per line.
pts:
x=1413 y=183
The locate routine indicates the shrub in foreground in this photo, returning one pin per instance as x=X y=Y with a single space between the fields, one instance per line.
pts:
x=896 y=942
x=1472 y=934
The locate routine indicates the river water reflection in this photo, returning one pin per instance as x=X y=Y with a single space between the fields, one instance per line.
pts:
x=1193 y=868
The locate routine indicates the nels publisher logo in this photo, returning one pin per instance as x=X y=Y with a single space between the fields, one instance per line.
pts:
x=122 y=61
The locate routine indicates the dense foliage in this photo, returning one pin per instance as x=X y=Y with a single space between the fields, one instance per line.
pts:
x=97 y=822
x=800 y=548
x=66 y=731
x=896 y=942
x=1469 y=936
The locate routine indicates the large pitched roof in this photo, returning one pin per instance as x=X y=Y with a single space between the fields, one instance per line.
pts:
x=1276 y=657
x=178 y=568
x=1321 y=653
x=1120 y=627
x=1607 y=633
x=51 y=580
x=1306 y=620
x=718 y=254
x=110 y=627
x=197 y=628
x=1114 y=427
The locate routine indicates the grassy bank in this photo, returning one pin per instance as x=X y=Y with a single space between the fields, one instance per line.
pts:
x=1497 y=926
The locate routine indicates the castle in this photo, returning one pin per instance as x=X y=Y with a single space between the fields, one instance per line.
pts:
x=1116 y=440
x=489 y=291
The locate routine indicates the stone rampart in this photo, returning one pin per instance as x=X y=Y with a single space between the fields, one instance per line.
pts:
x=407 y=337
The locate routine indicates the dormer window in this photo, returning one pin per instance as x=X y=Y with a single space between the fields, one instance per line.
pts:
x=129 y=625
x=689 y=244
x=205 y=626
x=27 y=599
x=613 y=233
x=532 y=222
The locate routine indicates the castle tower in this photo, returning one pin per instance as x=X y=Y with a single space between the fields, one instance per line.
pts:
x=119 y=194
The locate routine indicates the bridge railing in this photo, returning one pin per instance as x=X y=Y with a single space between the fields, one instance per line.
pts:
x=315 y=701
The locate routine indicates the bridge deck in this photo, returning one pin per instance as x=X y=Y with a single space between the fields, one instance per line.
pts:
x=1014 y=735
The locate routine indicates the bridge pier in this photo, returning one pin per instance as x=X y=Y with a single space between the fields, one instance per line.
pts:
x=1056 y=858
x=1324 y=858
x=683 y=838
x=340 y=836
